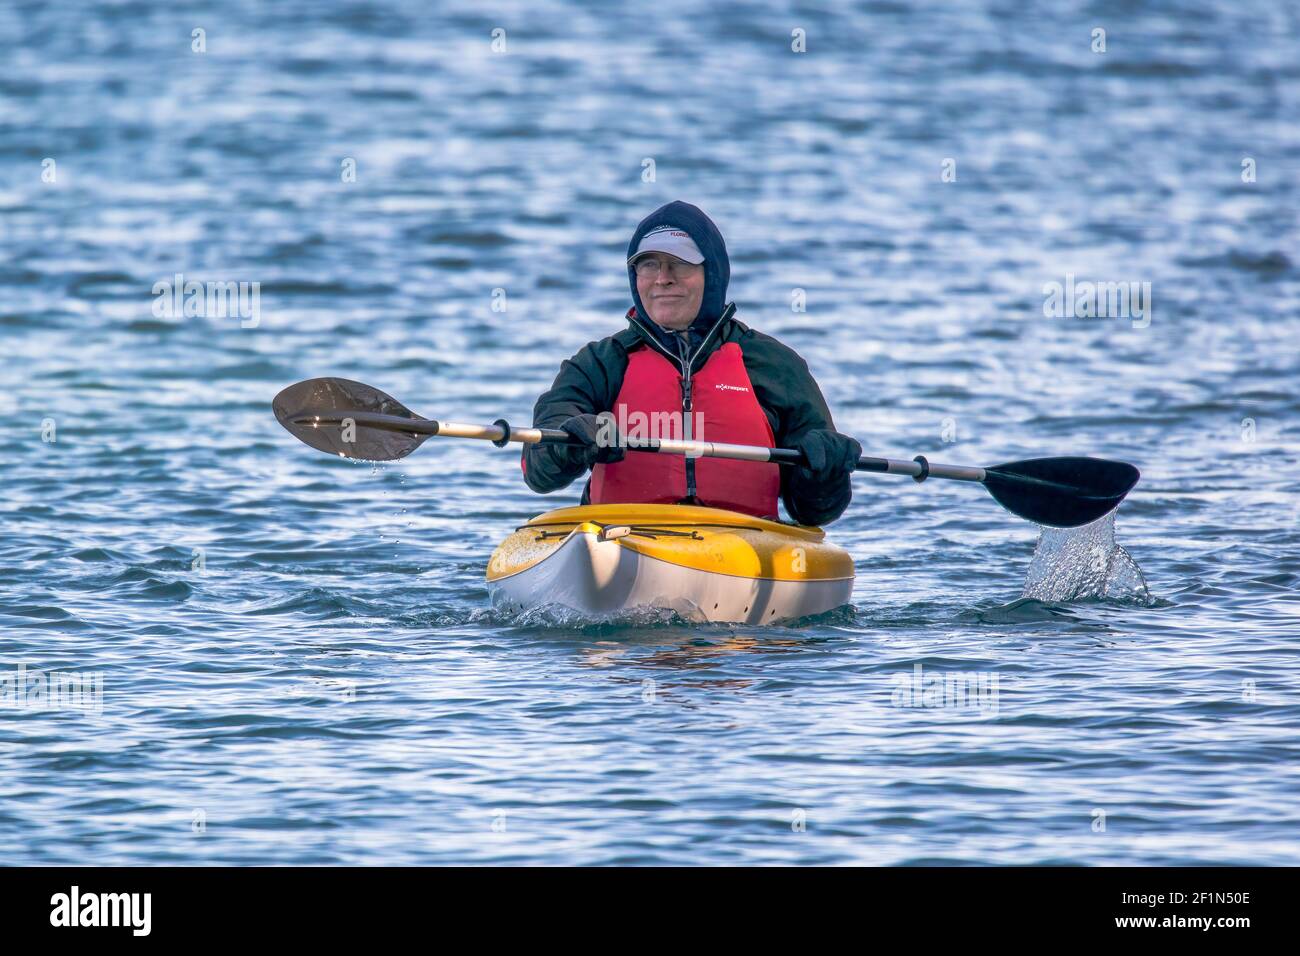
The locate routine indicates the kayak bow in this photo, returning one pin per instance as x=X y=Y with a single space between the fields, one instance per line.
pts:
x=706 y=564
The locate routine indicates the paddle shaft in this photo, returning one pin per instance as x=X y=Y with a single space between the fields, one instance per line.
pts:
x=501 y=433
x=1057 y=492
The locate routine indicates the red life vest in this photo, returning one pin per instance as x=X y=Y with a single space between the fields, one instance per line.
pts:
x=723 y=409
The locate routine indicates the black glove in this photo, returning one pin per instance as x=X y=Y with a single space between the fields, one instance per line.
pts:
x=587 y=429
x=830 y=456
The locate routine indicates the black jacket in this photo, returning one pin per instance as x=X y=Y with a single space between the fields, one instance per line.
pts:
x=589 y=382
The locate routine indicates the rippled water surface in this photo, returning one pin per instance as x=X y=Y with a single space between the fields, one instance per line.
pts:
x=297 y=658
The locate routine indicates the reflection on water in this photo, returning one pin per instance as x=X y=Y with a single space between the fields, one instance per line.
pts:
x=693 y=653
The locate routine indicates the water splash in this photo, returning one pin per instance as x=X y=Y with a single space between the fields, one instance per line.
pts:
x=1071 y=564
x=560 y=617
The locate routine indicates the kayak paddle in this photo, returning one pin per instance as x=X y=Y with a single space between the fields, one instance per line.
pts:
x=355 y=420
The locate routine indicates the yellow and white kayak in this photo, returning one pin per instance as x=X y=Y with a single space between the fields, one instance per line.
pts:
x=705 y=564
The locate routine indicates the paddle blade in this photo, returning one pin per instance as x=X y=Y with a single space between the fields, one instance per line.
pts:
x=335 y=398
x=1061 y=492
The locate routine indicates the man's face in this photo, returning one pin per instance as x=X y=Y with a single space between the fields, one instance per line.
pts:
x=670 y=289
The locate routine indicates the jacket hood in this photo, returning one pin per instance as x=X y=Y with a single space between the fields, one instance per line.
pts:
x=717 y=266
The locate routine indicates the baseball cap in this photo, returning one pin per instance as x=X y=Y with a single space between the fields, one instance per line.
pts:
x=672 y=240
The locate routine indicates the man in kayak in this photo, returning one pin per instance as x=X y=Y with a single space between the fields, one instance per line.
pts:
x=685 y=359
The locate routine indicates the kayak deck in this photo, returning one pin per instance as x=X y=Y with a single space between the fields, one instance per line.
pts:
x=703 y=563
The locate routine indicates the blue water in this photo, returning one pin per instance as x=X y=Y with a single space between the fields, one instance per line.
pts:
x=298 y=663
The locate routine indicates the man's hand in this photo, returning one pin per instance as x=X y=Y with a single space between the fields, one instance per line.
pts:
x=599 y=440
x=830 y=455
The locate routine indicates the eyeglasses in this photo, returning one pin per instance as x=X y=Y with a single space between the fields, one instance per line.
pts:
x=677 y=268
